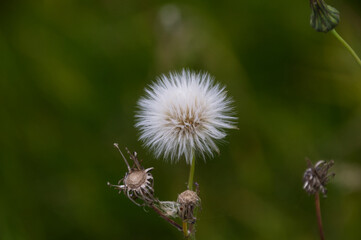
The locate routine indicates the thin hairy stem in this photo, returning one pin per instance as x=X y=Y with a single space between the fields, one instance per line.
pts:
x=318 y=213
x=159 y=212
x=347 y=46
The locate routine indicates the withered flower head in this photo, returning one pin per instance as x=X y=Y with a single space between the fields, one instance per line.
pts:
x=188 y=201
x=323 y=17
x=137 y=182
x=316 y=177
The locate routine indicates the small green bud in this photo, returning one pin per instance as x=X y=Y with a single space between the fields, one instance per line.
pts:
x=324 y=18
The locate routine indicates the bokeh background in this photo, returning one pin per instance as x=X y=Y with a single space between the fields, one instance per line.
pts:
x=71 y=72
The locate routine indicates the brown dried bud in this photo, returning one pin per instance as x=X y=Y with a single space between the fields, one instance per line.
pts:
x=188 y=201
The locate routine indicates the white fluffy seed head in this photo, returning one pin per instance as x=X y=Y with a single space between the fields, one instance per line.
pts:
x=184 y=112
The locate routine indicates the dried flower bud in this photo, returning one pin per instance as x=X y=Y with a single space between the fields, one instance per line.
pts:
x=324 y=18
x=188 y=201
x=316 y=177
x=137 y=182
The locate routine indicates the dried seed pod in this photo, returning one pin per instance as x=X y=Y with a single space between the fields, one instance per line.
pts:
x=188 y=201
x=316 y=177
x=138 y=183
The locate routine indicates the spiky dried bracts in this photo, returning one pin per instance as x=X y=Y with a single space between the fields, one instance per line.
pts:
x=317 y=176
x=138 y=183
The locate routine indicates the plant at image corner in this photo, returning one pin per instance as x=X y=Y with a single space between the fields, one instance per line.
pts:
x=324 y=18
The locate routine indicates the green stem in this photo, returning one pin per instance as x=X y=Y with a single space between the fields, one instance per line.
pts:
x=347 y=46
x=191 y=172
x=185 y=229
x=186 y=233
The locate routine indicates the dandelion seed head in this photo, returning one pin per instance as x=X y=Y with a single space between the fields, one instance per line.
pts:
x=184 y=112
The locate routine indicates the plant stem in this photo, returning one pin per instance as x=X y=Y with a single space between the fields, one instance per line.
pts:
x=318 y=213
x=347 y=46
x=166 y=218
x=185 y=229
x=190 y=187
x=191 y=172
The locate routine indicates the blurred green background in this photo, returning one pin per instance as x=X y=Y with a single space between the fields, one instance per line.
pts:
x=71 y=72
